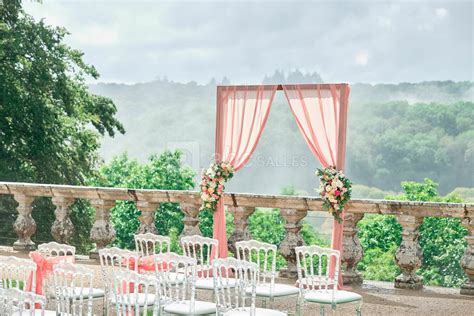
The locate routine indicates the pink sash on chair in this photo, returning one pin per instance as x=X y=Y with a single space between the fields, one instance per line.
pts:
x=44 y=268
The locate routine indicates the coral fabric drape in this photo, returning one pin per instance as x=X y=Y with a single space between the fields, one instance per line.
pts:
x=241 y=115
x=44 y=268
x=321 y=115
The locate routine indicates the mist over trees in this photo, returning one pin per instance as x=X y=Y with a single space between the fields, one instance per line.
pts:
x=397 y=132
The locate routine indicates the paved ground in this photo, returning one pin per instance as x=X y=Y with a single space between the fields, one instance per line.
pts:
x=380 y=298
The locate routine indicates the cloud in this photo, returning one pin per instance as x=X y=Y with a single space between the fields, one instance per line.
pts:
x=136 y=41
x=362 y=58
x=441 y=13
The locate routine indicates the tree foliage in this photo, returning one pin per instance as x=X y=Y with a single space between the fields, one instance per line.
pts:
x=441 y=240
x=398 y=141
x=50 y=124
x=164 y=172
x=46 y=109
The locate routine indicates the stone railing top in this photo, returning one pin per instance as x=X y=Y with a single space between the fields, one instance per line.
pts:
x=422 y=209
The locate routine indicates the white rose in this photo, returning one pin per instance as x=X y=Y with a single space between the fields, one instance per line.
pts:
x=328 y=188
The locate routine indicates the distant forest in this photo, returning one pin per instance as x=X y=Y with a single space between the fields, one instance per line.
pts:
x=397 y=132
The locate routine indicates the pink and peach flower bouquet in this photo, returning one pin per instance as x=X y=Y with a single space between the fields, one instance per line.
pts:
x=335 y=190
x=213 y=183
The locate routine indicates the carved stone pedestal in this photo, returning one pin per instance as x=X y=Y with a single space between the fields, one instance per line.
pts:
x=241 y=221
x=352 y=250
x=147 y=218
x=62 y=229
x=191 y=220
x=467 y=260
x=24 y=225
x=409 y=256
x=292 y=239
x=102 y=232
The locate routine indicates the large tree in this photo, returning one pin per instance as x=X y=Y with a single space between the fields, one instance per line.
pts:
x=50 y=124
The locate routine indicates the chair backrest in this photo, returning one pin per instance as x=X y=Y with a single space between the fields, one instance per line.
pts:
x=261 y=253
x=176 y=274
x=127 y=286
x=113 y=260
x=53 y=249
x=17 y=273
x=232 y=277
x=73 y=286
x=151 y=244
x=313 y=268
x=18 y=302
x=200 y=248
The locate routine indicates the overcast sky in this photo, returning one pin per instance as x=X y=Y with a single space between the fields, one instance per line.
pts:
x=352 y=41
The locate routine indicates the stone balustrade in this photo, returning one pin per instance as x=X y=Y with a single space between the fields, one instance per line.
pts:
x=292 y=209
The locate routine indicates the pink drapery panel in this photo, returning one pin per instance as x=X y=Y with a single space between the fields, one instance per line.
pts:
x=241 y=115
x=321 y=114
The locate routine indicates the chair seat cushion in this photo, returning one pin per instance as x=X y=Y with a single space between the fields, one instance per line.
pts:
x=325 y=297
x=208 y=283
x=143 y=299
x=96 y=293
x=315 y=282
x=183 y=308
x=264 y=290
x=258 y=312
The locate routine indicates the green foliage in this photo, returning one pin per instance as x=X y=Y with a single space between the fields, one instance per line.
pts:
x=46 y=113
x=396 y=141
x=164 y=172
x=46 y=109
x=466 y=194
x=379 y=264
x=441 y=239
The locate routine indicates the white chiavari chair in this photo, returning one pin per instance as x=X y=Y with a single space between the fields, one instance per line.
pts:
x=54 y=249
x=112 y=261
x=73 y=287
x=176 y=274
x=265 y=256
x=316 y=283
x=136 y=294
x=17 y=273
x=15 y=302
x=200 y=248
x=232 y=300
x=150 y=244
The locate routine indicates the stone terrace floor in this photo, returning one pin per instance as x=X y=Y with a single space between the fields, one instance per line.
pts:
x=380 y=298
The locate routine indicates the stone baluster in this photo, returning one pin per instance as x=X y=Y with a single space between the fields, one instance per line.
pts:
x=24 y=225
x=191 y=220
x=147 y=218
x=467 y=260
x=62 y=229
x=292 y=239
x=241 y=221
x=352 y=249
x=409 y=256
x=102 y=232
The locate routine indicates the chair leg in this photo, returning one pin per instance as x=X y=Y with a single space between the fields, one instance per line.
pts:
x=299 y=305
x=358 y=309
x=322 y=310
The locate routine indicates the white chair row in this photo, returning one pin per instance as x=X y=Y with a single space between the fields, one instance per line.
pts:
x=172 y=288
x=72 y=285
x=316 y=284
x=200 y=248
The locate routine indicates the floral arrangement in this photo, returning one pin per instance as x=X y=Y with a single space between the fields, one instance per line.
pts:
x=212 y=183
x=335 y=190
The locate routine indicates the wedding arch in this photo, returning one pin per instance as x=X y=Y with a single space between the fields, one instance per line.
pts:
x=320 y=111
